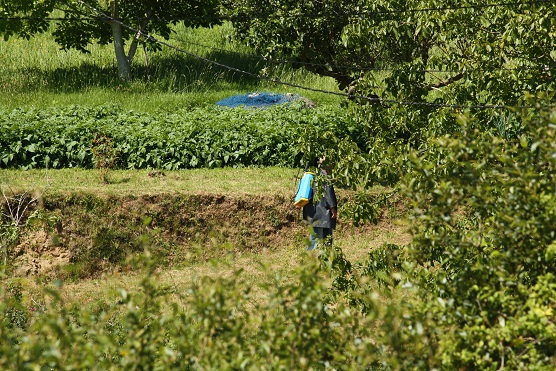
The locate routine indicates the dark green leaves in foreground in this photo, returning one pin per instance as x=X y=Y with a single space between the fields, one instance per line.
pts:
x=199 y=138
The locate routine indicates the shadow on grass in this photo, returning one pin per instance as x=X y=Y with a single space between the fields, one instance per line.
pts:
x=111 y=179
x=123 y=180
x=166 y=73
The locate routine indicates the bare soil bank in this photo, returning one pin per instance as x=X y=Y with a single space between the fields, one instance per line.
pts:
x=82 y=235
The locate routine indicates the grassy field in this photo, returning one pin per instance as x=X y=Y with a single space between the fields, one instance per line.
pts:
x=227 y=181
x=37 y=73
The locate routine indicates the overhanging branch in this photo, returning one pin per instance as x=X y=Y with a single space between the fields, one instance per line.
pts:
x=450 y=81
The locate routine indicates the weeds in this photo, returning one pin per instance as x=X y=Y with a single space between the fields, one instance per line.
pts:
x=16 y=207
x=104 y=155
x=14 y=212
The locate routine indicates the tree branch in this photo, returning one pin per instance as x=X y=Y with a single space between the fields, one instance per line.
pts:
x=135 y=42
x=450 y=81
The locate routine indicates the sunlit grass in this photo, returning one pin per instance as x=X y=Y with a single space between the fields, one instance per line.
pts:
x=256 y=269
x=36 y=72
x=226 y=181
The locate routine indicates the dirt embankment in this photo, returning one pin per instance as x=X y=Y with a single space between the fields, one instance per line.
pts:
x=82 y=235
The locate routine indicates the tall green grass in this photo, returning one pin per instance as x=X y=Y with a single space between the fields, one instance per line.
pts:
x=38 y=73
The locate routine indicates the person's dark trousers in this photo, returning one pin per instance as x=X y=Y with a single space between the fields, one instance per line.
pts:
x=322 y=234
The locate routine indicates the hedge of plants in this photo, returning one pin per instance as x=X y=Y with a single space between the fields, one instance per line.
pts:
x=207 y=137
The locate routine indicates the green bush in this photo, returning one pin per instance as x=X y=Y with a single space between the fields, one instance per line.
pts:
x=213 y=324
x=475 y=288
x=493 y=281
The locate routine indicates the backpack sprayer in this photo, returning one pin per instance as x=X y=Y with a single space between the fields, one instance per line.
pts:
x=304 y=188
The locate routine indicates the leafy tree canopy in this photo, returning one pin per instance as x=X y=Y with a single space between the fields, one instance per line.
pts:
x=410 y=50
x=410 y=67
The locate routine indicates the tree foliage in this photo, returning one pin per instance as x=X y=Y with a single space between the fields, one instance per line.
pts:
x=485 y=206
x=457 y=106
x=303 y=31
x=411 y=49
x=410 y=64
x=35 y=11
x=482 y=257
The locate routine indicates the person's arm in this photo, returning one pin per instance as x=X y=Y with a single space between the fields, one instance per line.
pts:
x=331 y=201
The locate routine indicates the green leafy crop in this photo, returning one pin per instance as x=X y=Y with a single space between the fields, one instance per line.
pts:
x=200 y=138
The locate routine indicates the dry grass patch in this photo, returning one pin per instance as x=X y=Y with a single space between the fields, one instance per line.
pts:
x=257 y=268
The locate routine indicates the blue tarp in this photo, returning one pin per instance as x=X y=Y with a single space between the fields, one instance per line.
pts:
x=259 y=100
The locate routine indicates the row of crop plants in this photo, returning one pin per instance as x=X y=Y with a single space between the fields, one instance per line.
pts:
x=207 y=137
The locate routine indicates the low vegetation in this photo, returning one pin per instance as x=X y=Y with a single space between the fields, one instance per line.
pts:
x=444 y=160
x=210 y=137
x=188 y=233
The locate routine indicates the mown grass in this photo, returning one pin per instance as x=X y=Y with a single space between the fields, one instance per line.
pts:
x=226 y=181
x=37 y=73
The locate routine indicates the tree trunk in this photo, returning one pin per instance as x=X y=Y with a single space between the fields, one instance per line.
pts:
x=124 y=70
x=138 y=37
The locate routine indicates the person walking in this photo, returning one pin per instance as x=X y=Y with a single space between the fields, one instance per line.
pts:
x=322 y=216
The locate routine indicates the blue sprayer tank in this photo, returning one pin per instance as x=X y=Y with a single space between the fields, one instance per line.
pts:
x=304 y=190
